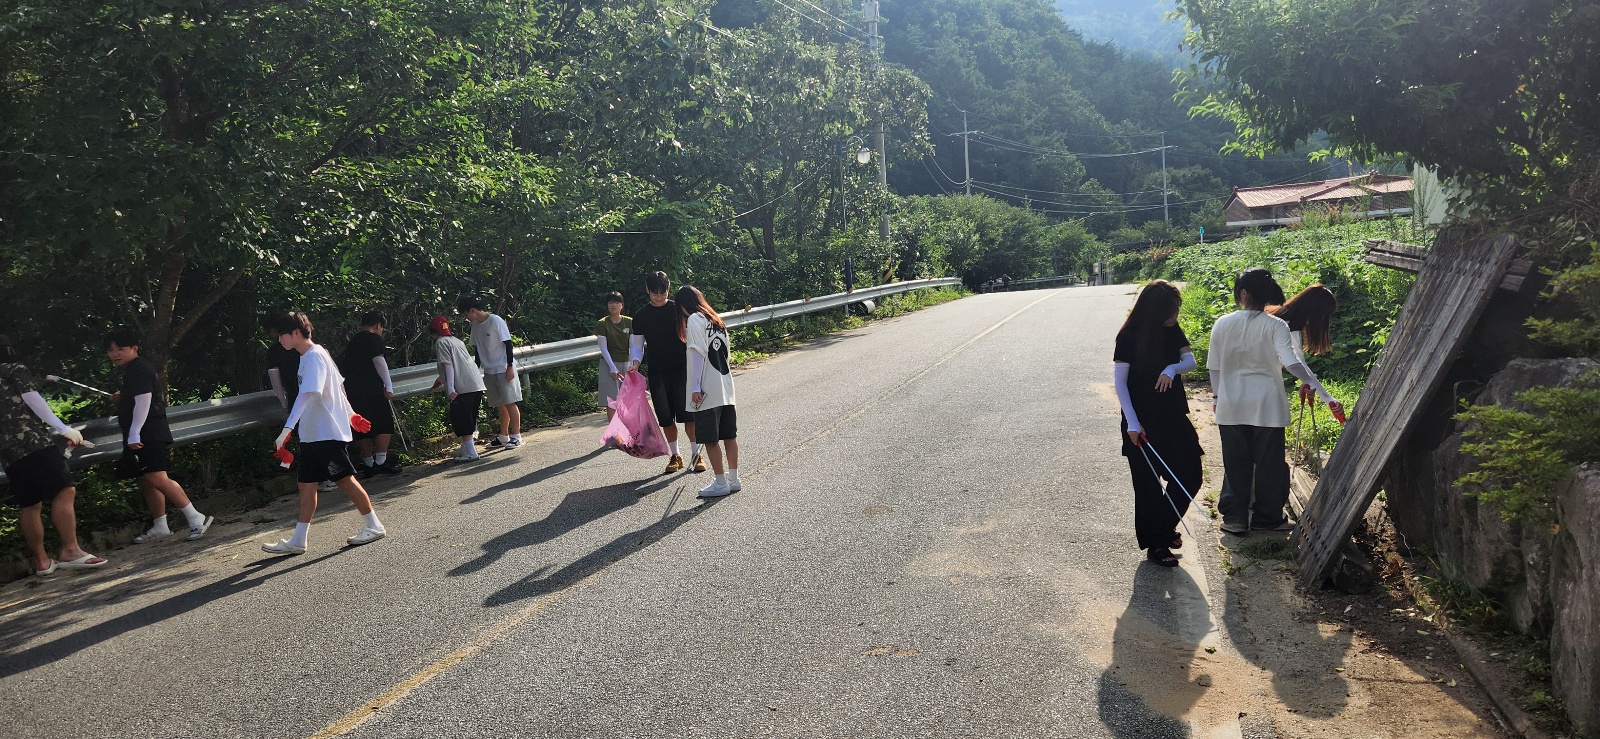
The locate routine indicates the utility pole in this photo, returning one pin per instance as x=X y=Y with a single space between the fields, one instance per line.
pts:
x=1165 y=214
x=869 y=12
x=966 y=157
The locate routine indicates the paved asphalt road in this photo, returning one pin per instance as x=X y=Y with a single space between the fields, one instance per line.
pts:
x=934 y=539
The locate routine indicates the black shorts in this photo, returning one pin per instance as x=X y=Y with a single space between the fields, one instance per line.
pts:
x=324 y=460
x=666 y=396
x=37 y=478
x=716 y=424
x=464 y=413
x=153 y=456
x=371 y=405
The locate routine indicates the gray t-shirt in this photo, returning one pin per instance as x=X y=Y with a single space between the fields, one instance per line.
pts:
x=450 y=352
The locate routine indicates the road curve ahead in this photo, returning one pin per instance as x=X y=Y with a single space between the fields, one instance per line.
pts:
x=934 y=539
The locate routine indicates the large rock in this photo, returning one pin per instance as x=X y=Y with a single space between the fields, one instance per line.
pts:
x=1575 y=580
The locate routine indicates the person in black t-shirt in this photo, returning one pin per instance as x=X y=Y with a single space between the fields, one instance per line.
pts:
x=146 y=439
x=370 y=388
x=657 y=341
x=1150 y=358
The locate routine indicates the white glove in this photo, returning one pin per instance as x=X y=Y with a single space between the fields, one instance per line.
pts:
x=283 y=438
x=73 y=436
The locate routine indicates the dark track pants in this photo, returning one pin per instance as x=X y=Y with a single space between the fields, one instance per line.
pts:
x=1154 y=517
x=1257 y=477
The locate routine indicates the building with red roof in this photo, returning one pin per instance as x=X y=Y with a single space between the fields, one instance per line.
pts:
x=1369 y=195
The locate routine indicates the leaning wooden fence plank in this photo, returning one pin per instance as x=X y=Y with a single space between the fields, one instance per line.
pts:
x=1450 y=293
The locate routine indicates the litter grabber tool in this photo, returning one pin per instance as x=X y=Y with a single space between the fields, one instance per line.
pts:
x=1192 y=502
x=399 y=427
x=58 y=378
x=1181 y=522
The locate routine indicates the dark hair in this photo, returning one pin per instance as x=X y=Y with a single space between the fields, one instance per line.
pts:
x=615 y=297
x=1310 y=312
x=1156 y=304
x=1264 y=290
x=288 y=323
x=372 y=318
x=690 y=300
x=657 y=283
x=465 y=304
x=8 y=353
x=123 y=336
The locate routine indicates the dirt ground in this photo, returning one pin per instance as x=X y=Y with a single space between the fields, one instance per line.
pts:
x=1293 y=663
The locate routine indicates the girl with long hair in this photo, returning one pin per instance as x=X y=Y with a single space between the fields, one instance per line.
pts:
x=710 y=388
x=1250 y=349
x=1151 y=356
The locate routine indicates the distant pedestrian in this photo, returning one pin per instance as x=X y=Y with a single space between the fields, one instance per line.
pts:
x=491 y=339
x=36 y=471
x=370 y=388
x=147 y=440
x=614 y=334
x=1151 y=356
x=710 y=388
x=324 y=417
x=1250 y=348
x=658 y=341
x=462 y=383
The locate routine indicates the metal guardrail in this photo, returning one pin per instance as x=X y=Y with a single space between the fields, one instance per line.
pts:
x=214 y=419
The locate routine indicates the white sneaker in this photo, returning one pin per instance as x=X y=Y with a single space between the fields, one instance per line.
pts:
x=734 y=485
x=464 y=458
x=513 y=443
x=366 y=536
x=715 y=490
x=327 y=486
x=152 y=535
x=282 y=546
x=195 y=532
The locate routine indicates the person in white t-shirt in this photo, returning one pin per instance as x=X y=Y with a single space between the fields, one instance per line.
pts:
x=710 y=389
x=460 y=380
x=491 y=338
x=1250 y=348
x=325 y=419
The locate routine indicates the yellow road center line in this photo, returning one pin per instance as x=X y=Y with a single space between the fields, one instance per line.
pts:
x=348 y=723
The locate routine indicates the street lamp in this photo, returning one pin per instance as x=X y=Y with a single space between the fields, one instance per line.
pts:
x=863 y=156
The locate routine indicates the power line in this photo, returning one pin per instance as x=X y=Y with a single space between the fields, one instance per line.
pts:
x=797 y=186
x=952 y=180
x=796 y=11
x=931 y=176
x=842 y=21
x=1038 y=151
x=1052 y=192
x=707 y=25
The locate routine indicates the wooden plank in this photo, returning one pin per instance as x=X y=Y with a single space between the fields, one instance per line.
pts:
x=1450 y=293
x=1388 y=254
x=1394 y=261
x=1397 y=247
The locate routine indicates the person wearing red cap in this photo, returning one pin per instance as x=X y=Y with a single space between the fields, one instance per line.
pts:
x=459 y=378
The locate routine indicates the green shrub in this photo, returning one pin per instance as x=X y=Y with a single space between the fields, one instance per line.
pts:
x=1522 y=456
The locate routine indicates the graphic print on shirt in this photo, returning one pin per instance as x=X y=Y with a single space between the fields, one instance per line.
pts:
x=717 y=349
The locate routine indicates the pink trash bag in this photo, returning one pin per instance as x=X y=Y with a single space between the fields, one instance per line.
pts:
x=633 y=428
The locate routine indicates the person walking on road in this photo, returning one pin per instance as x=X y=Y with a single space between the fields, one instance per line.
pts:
x=614 y=334
x=657 y=339
x=1151 y=356
x=370 y=388
x=491 y=339
x=710 y=389
x=36 y=471
x=283 y=374
x=147 y=440
x=325 y=418
x=1250 y=348
x=460 y=380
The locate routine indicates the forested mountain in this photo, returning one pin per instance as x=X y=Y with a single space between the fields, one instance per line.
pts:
x=188 y=167
x=1133 y=25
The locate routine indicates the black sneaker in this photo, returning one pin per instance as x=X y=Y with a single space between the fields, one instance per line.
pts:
x=367 y=471
x=389 y=467
x=495 y=443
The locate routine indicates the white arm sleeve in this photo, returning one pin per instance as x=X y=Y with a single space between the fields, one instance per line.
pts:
x=300 y=404
x=1119 y=374
x=275 y=377
x=1299 y=343
x=382 y=366
x=605 y=354
x=447 y=372
x=636 y=348
x=697 y=362
x=35 y=403
x=1304 y=374
x=1186 y=364
x=141 y=413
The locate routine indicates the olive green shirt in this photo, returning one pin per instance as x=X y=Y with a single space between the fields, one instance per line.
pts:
x=617 y=336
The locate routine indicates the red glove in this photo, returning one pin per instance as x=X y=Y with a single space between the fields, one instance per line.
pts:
x=285 y=457
x=1338 y=411
x=1307 y=395
x=359 y=424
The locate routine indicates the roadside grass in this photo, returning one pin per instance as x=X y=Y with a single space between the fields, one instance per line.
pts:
x=754 y=343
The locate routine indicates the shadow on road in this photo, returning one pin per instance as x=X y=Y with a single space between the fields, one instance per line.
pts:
x=532 y=478
x=577 y=509
x=1156 y=639
x=13 y=663
x=537 y=583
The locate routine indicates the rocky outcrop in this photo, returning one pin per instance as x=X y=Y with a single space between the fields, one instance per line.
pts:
x=1575 y=581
